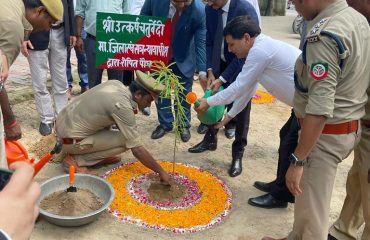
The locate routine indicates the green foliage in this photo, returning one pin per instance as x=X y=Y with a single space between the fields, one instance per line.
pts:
x=174 y=90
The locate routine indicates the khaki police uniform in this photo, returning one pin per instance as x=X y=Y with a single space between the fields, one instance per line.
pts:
x=87 y=118
x=331 y=79
x=356 y=208
x=12 y=26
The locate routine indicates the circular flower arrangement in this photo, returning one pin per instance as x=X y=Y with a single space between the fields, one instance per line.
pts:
x=262 y=97
x=204 y=202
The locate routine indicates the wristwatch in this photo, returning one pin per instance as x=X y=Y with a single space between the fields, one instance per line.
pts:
x=295 y=161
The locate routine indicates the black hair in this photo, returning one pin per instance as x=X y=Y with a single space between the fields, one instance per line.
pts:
x=240 y=26
x=32 y=3
x=135 y=86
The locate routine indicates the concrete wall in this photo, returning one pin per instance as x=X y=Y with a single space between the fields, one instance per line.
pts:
x=272 y=7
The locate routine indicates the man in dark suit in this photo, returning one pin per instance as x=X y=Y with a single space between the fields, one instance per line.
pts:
x=188 y=51
x=50 y=46
x=225 y=66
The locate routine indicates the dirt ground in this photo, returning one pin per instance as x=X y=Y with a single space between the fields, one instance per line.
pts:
x=259 y=163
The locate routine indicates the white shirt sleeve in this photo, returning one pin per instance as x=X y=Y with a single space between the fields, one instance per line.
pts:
x=240 y=103
x=245 y=84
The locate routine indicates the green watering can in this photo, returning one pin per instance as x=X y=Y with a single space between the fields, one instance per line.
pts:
x=213 y=114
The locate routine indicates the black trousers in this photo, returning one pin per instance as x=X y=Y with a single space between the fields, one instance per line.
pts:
x=241 y=123
x=288 y=143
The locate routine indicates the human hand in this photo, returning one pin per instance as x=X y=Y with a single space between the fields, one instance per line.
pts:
x=203 y=106
x=165 y=178
x=211 y=77
x=203 y=80
x=293 y=178
x=18 y=208
x=72 y=41
x=25 y=46
x=215 y=85
x=224 y=121
x=79 y=44
x=13 y=132
x=4 y=73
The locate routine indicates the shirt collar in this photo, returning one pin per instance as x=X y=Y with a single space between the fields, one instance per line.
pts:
x=226 y=7
x=333 y=8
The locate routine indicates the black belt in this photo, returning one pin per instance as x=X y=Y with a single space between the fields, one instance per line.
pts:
x=58 y=26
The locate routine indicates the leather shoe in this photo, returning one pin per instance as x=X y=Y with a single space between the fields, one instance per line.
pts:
x=267 y=201
x=202 y=128
x=230 y=133
x=330 y=237
x=185 y=134
x=45 y=128
x=263 y=186
x=159 y=132
x=236 y=167
x=203 y=146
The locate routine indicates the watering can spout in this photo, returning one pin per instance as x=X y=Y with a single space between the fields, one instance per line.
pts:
x=15 y=151
x=213 y=114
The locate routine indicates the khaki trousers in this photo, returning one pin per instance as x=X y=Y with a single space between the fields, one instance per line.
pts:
x=311 y=210
x=95 y=148
x=356 y=207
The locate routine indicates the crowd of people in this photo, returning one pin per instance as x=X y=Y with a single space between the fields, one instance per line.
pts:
x=325 y=82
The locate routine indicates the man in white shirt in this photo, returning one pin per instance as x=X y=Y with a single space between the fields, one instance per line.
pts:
x=268 y=62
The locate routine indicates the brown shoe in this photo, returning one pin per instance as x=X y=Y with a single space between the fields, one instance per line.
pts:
x=84 y=89
x=70 y=161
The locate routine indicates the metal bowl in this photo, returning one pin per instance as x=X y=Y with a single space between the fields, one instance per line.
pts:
x=96 y=185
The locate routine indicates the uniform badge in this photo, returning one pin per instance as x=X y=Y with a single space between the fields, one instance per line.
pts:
x=318 y=25
x=319 y=71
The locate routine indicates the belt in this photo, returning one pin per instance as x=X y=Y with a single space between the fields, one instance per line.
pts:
x=366 y=123
x=58 y=26
x=340 y=128
x=71 y=141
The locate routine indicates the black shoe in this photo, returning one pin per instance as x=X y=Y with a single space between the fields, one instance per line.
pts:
x=185 y=134
x=202 y=128
x=159 y=132
x=230 y=133
x=203 y=146
x=330 y=237
x=267 y=201
x=45 y=128
x=236 y=167
x=263 y=186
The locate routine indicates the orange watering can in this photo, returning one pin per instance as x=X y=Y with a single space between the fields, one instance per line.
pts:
x=15 y=151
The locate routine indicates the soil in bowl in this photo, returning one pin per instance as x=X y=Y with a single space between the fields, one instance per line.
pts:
x=65 y=203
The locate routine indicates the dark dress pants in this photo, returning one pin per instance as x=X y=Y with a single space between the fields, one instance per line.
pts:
x=288 y=143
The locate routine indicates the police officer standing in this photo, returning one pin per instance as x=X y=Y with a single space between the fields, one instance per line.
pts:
x=331 y=83
x=356 y=208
